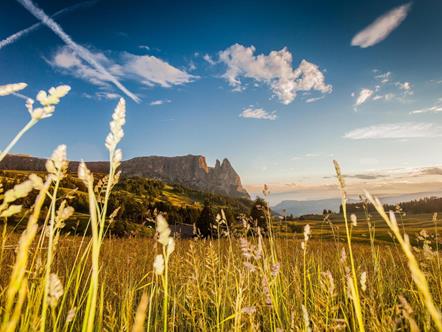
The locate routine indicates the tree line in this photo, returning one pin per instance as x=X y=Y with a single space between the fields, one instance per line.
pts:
x=422 y=205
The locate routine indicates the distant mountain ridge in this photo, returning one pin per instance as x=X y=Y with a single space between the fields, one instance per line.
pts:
x=298 y=208
x=190 y=170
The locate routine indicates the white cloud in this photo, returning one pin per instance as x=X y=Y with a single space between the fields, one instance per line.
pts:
x=159 y=102
x=437 y=107
x=209 y=59
x=274 y=70
x=258 y=113
x=364 y=95
x=387 y=96
x=144 y=47
x=381 y=27
x=146 y=69
x=386 y=89
x=396 y=130
x=405 y=87
x=154 y=71
x=384 y=78
x=68 y=61
x=79 y=50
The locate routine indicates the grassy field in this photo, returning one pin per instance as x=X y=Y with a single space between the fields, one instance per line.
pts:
x=412 y=224
x=347 y=273
x=223 y=285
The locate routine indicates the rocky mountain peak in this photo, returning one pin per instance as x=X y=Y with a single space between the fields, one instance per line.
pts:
x=190 y=170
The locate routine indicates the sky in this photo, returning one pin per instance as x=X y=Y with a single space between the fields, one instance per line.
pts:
x=280 y=88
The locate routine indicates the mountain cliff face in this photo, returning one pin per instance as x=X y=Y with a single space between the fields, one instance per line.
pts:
x=191 y=171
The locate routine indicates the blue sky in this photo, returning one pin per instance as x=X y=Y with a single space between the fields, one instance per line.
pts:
x=281 y=88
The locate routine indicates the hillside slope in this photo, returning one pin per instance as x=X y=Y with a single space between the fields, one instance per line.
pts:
x=190 y=171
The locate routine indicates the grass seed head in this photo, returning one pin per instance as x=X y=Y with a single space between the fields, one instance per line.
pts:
x=11 y=88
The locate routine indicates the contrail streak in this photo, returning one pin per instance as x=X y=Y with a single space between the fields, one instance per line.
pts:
x=81 y=51
x=16 y=36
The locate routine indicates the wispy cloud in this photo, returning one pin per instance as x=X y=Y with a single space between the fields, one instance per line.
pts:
x=363 y=96
x=18 y=35
x=275 y=70
x=431 y=171
x=145 y=69
x=362 y=176
x=381 y=27
x=385 y=89
x=79 y=50
x=209 y=59
x=305 y=156
x=257 y=113
x=102 y=95
x=154 y=71
x=313 y=100
x=436 y=108
x=383 y=78
x=396 y=131
x=159 y=102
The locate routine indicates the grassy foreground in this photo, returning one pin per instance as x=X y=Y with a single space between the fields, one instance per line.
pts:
x=244 y=282
x=217 y=285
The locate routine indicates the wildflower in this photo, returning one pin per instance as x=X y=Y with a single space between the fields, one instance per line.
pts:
x=249 y=310
x=163 y=230
x=71 y=315
x=55 y=290
x=259 y=249
x=245 y=248
x=363 y=281
x=84 y=174
x=340 y=180
x=266 y=290
x=11 y=88
x=64 y=212
x=331 y=283
x=37 y=182
x=354 y=219
x=54 y=95
x=343 y=256
x=47 y=101
x=275 y=269
x=158 y=265
x=249 y=266
x=170 y=246
x=307 y=232
x=41 y=112
x=10 y=211
x=57 y=164
x=114 y=214
x=117 y=157
x=116 y=126
x=19 y=191
x=306 y=318
x=350 y=286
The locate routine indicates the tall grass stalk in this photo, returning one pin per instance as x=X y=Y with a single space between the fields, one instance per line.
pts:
x=354 y=287
x=418 y=275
